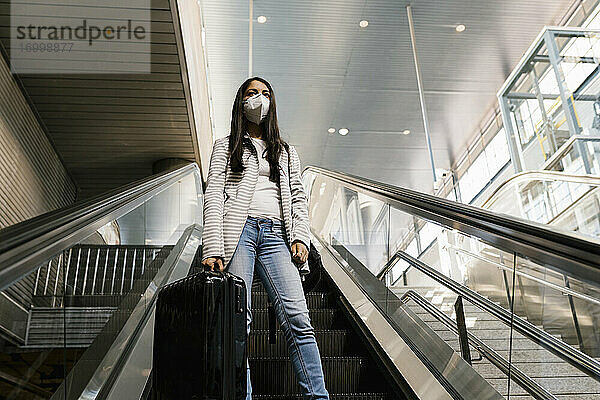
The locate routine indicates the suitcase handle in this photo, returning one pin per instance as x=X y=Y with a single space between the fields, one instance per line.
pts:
x=239 y=308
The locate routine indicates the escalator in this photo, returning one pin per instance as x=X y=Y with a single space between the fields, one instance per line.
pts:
x=351 y=373
x=528 y=295
x=79 y=287
x=78 y=295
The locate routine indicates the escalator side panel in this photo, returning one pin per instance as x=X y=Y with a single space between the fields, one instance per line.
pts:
x=424 y=360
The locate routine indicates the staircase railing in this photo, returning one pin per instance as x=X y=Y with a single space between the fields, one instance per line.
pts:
x=495 y=358
x=576 y=358
x=103 y=270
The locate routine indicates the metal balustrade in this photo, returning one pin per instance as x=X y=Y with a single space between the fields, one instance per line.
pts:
x=91 y=271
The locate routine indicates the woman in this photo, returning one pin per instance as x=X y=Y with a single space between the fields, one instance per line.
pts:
x=256 y=213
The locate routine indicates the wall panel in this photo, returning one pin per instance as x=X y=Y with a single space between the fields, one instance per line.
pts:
x=33 y=180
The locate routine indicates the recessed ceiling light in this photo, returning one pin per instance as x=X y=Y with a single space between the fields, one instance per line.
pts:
x=261 y=20
x=460 y=28
x=331 y=130
x=406 y=132
x=364 y=23
x=343 y=131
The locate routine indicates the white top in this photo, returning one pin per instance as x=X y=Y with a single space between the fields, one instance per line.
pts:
x=266 y=201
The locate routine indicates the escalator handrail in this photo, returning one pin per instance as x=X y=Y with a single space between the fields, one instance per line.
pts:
x=543 y=175
x=568 y=253
x=571 y=208
x=576 y=358
x=566 y=148
x=25 y=245
x=524 y=381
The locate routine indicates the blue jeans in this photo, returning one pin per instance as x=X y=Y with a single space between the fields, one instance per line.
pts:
x=263 y=241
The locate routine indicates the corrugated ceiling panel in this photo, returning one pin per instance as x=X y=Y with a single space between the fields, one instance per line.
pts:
x=32 y=178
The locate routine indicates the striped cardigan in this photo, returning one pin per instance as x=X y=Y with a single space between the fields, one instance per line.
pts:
x=228 y=195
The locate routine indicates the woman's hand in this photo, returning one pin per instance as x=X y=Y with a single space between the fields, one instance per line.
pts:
x=299 y=252
x=213 y=262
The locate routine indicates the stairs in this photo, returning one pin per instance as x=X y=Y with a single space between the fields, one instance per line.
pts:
x=65 y=305
x=548 y=370
x=543 y=306
x=47 y=326
x=93 y=275
x=350 y=372
x=98 y=278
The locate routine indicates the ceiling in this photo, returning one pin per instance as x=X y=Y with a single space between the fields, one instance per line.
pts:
x=110 y=128
x=328 y=72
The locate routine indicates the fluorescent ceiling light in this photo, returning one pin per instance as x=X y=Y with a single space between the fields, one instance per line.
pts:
x=460 y=28
x=406 y=132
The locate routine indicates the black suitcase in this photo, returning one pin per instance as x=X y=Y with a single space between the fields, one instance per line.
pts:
x=200 y=339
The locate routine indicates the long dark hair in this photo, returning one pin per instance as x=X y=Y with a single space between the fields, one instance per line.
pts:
x=270 y=132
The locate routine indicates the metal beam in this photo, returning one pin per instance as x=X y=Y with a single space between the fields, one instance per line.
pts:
x=565 y=94
x=514 y=147
x=420 y=86
x=545 y=58
x=566 y=97
x=250 y=36
x=531 y=96
x=535 y=47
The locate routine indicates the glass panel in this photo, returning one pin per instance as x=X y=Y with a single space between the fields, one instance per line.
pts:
x=72 y=306
x=568 y=310
x=572 y=162
x=474 y=179
x=563 y=201
x=497 y=153
x=536 y=294
x=354 y=220
x=583 y=217
x=32 y=370
x=483 y=169
x=428 y=234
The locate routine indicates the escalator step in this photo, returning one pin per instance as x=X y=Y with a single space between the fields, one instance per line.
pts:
x=314 y=300
x=275 y=375
x=321 y=319
x=330 y=343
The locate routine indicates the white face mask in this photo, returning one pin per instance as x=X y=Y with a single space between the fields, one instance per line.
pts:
x=256 y=108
